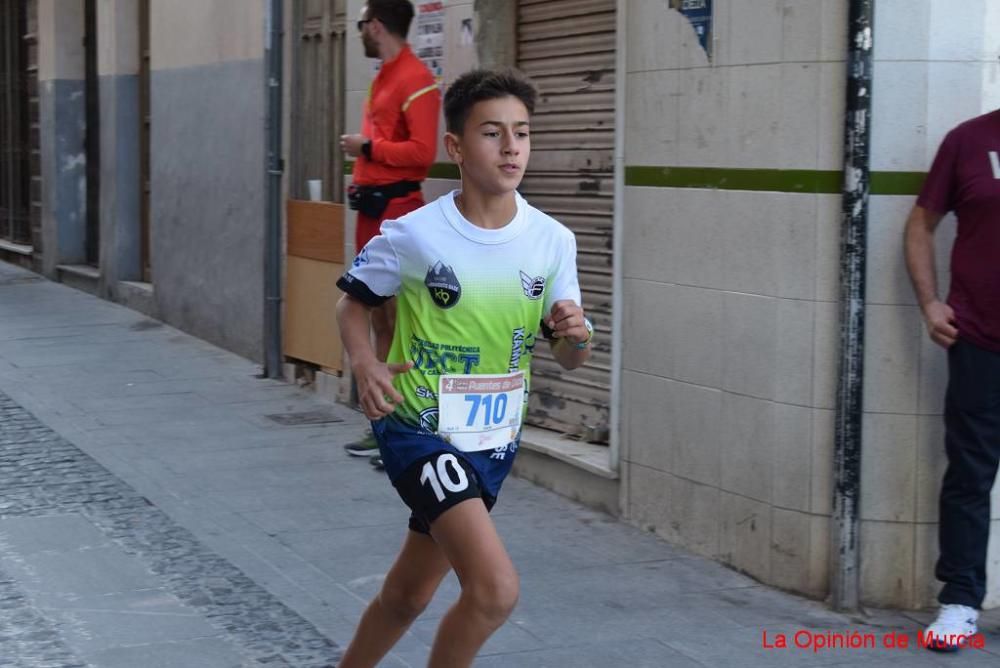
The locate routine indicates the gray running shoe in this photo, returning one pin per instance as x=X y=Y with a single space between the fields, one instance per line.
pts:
x=376 y=462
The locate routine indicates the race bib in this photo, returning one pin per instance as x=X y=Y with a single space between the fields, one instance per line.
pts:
x=480 y=412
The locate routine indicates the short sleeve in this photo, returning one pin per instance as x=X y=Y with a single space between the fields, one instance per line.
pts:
x=939 y=191
x=374 y=275
x=563 y=282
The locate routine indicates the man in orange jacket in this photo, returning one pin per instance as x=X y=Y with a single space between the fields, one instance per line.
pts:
x=396 y=146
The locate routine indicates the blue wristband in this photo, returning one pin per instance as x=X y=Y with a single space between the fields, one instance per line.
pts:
x=590 y=335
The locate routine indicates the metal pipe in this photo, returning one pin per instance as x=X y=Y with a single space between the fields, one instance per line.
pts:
x=275 y=171
x=853 y=250
x=617 y=261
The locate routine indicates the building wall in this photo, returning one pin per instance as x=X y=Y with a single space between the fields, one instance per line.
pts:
x=731 y=295
x=936 y=65
x=207 y=169
x=62 y=126
x=118 y=61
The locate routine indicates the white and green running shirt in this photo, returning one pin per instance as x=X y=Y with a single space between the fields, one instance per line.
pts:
x=470 y=300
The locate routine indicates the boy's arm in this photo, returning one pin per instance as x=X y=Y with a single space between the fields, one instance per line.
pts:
x=376 y=394
x=568 y=328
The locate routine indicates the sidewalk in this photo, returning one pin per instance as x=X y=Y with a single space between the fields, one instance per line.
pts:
x=157 y=509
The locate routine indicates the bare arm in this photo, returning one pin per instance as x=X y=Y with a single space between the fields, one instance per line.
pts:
x=919 y=250
x=376 y=394
x=566 y=322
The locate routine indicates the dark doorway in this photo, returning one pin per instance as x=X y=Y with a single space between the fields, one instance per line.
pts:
x=15 y=173
x=92 y=140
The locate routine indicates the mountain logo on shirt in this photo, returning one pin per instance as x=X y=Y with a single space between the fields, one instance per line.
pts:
x=362 y=257
x=533 y=287
x=443 y=285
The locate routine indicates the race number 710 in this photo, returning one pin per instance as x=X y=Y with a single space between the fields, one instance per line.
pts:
x=493 y=411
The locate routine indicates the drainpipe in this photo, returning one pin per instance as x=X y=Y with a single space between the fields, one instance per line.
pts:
x=617 y=262
x=275 y=169
x=853 y=249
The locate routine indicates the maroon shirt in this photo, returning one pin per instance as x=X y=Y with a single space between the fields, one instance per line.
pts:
x=965 y=178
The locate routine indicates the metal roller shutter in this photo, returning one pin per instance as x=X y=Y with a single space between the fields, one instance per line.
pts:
x=567 y=47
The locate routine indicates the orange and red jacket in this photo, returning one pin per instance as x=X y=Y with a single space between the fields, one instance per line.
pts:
x=400 y=117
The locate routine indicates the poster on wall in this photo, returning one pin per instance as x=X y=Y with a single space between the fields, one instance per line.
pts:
x=427 y=37
x=699 y=14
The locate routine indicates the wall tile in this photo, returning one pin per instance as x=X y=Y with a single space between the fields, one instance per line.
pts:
x=827 y=255
x=749 y=344
x=747 y=446
x=888 y=467
x=798 y=147
x=688 y=349
x=887 y=551
x=925 y=585
x=695 y=516
x=792 y=457
x=899 y=115
x=649 y=407
x=791 y=547
x=652 y=116
x=892 y=348
x=823 y=439
x=672 y=236
x=903 y=29
x=887 y=281
x=746 y=535
x=695 y=432
x=826 y=358
x=755 y=31
x=931 y=465
x=794 y=339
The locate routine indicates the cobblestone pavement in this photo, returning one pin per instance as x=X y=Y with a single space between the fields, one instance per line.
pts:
x=44 y=476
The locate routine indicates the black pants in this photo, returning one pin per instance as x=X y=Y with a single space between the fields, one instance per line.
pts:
x=972 y=442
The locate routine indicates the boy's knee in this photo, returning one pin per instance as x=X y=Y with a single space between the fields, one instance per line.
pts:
x=495 y=597
x=404 y=604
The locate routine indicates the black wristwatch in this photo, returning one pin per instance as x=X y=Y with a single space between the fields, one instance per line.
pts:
x=366 y=149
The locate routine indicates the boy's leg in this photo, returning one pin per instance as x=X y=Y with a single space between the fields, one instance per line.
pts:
x=408 y=588
x=467 y=536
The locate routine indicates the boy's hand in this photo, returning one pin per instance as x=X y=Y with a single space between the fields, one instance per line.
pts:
x=376 y=394
x=566 y=322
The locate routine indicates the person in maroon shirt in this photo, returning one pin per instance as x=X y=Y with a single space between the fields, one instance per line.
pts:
x=964 y=178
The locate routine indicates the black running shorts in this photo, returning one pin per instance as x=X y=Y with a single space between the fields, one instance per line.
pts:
x=434 y=483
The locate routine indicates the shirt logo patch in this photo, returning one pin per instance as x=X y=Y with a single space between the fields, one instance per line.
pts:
x=443 y=285
x=362 y=257
x=533 y=287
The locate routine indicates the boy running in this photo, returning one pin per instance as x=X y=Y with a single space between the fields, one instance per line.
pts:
x=475 y=273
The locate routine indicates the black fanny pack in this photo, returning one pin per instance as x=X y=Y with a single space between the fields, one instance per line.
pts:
x=371 y=201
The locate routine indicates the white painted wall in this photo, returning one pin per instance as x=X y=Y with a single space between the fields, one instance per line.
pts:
x=730 y=296
x=731 y=315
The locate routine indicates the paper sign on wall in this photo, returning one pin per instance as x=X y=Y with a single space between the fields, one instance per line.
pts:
x=427 y=37
x=699 y=14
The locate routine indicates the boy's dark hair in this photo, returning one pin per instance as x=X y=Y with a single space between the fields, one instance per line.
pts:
x=395 y=15
x=479 y=85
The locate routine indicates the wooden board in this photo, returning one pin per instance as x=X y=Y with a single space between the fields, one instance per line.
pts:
x=311 y=296
x=316 y=230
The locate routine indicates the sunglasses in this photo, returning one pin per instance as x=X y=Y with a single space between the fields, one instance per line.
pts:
x=362 y=22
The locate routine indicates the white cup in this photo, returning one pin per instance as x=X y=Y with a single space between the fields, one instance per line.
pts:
x=316 y=190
